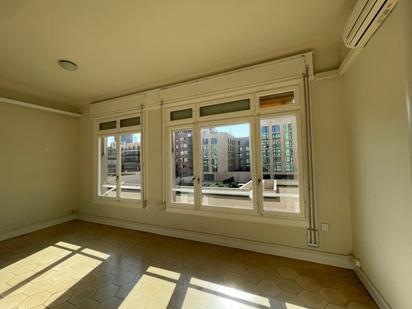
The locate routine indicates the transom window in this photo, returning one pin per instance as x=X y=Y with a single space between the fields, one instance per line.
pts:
x=246 y=159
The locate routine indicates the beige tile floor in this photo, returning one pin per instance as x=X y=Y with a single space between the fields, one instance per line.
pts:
x=85 y=265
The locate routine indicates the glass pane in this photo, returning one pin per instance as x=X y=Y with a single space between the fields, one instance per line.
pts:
x=107 y=166
x=276 y=100
x=135 y=121
x=107 y=125
x=228 y=107
x=280 y=164
x=182 y=167
x=226 y=172
x=130 y=180
x=181 y=114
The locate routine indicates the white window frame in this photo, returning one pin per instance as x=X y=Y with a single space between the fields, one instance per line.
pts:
x=117 y=132
x=253 y=116
x=301 y=169
x=296 y=109
x=169 y=164
x=223 y=122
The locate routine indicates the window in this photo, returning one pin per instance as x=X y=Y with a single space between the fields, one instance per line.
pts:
x=229 y=187
x=281 y=193
x=226 y=107
x=241 y=160
x=181 y=114
x=275 y=128
x=107 y=166
x=182 y=164
x=119 y=168
x=276 y=100
x=130 y=184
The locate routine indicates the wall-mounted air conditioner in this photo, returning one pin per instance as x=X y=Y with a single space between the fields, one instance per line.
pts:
x=365 y=19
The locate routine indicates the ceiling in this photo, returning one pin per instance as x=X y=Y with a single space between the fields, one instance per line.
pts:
x=129 y=45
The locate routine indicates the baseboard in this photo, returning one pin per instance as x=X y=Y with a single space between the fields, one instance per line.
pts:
x=267 y=248
x=373 y=291
x=36 y=227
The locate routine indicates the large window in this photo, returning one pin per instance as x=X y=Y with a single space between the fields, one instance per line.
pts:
x=119 y=160
x=245 y=159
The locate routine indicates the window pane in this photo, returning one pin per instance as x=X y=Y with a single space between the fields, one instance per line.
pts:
x=182 y=167
x=222 y=108
x=280 y=165
x=130 y=180
x=226 y=173
x=181 y=114
x=107 y=125
x=135 y=121
x=276 y=100
x=107 y=166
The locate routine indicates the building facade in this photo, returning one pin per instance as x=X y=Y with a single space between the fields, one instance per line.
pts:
x=279 y=148
x=183 y=156
x=225 y=156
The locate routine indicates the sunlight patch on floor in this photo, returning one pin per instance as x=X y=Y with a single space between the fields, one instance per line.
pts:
x=238 y=295
x=16 y=273
x=292 y=306
x=42 y=272
x=163 y=272
x=150 y=292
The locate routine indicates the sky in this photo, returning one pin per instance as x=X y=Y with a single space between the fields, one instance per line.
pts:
x=136 y=139
x=237 y=130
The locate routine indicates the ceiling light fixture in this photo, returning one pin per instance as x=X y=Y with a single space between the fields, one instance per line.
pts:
x=68 y=65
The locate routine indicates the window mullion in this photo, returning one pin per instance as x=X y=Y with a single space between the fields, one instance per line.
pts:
x=256 y=149
x=197 y=151
x=118 y=167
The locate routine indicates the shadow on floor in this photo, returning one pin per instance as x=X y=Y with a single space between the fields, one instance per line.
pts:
x=86 y=265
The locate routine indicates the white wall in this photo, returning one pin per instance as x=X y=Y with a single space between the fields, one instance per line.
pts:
x=38 y=152
x=380 y=171
x=332 y=183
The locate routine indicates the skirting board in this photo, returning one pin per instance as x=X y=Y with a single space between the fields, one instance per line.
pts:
x=36 y=227
x=373 y=291
x=273 y=249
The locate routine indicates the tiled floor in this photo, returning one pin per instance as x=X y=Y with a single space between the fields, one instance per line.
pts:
x=85 y=265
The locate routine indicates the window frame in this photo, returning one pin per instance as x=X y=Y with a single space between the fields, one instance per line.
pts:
x=169 y=164
x=254 y=115
x=117 y=132
x=298 y=110
x=301 y=170
x=223 y=122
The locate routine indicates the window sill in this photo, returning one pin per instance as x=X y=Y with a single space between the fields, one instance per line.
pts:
x=116 y=203
x=286 y=221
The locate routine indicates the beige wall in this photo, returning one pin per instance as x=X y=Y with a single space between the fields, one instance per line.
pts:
x=380 y=172
x=332 y=183
x=38 y=166
x=331 y=165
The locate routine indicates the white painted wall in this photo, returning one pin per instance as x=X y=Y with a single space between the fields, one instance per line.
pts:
x=38 y=165
x=332 y=183
x=380 y=171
